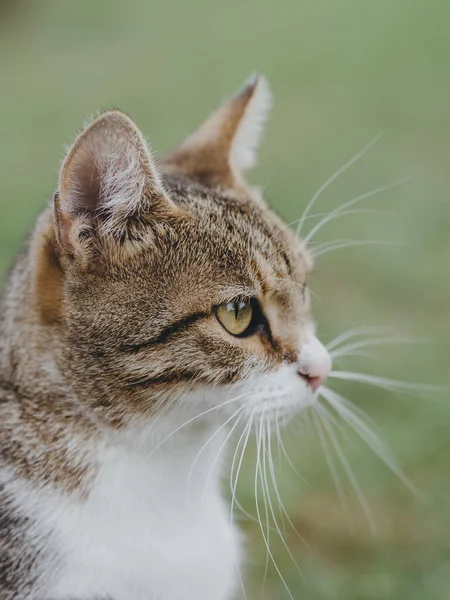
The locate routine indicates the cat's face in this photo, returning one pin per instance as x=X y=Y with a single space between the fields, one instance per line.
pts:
x=182 y=287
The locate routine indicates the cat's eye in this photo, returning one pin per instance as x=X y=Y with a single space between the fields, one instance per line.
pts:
x=235 y=316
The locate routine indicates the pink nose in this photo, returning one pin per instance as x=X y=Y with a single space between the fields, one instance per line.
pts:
x=315 y=381
x=314 y=363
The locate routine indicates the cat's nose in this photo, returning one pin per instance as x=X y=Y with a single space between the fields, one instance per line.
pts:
x=314 y=363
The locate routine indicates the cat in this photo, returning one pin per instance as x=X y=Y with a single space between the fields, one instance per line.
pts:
x=153 y=310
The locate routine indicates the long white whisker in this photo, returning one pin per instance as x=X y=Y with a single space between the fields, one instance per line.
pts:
x=267 y=541
x=363 y=415
x=219 y=452
x=350 y=474
x=344 y=213
x=331 y=465
x=333 y=177
x=286 y=455
x=343 y=350
x=357 y=331
x=247 y=429
x=353 y=243
x=267 y=457
x=322 y=245
x=359 y=354
x=278 y=231
x=341 y=210
x=388 y=384
x=234 y=500
x=246 y=433
x=208 y=441
x=277 y=431
x=275 y=486
x=367 y=434
x=189 y=421
x=266 y=566
x=334 y=420
x=362 y=211
x=258 y=472
x=272 y=512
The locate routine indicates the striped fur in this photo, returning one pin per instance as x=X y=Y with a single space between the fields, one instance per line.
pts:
x=109 y=344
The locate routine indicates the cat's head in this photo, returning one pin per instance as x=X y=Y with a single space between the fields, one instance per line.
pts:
x=178 y=284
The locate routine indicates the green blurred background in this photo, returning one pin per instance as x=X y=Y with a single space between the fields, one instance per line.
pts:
x=340 y=71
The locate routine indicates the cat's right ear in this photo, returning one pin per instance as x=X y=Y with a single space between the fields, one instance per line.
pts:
x=109 y=185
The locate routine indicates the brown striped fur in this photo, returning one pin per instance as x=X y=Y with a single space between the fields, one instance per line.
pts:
x=109 y=311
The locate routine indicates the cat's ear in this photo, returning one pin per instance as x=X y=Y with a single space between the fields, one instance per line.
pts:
x=108 y=180
x=225 y=145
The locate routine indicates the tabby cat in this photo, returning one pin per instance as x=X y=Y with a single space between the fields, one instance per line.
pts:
x=153 y=309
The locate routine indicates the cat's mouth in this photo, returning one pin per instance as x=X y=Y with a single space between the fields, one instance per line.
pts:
x=278 y=405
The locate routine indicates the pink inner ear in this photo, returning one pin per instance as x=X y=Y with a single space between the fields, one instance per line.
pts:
x=108 y=177
x=85 y=187
x=108 y=167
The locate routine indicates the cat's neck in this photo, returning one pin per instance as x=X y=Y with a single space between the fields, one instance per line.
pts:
x=180 y=465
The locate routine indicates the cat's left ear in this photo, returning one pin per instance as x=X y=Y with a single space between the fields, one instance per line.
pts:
x=226 y=144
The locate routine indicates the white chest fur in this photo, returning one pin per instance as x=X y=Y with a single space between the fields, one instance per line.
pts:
x=149 y=529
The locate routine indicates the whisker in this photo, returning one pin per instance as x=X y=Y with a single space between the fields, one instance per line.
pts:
x=388 y=384
x=234 y=500
x=339 y=426
x=352 y=243
x=286 y=455
x=350 y=474
x=189 y=421
x=267 y=457
x=278 y=231
x=343 y=350
x=224 y=443
x=208 y=441
x=247 y=428
x=258 y=472
x=268 y=528
x=359 y=354
x=337 y=215
x=331 y=464
x=275 y=486
x=362 y=211
x=333 y=177
x=341 y=210
x=362 y=414
x=367 y=434
x=272 y=512
x=355 y=332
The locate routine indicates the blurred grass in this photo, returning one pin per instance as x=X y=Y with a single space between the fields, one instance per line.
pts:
x=340 y=72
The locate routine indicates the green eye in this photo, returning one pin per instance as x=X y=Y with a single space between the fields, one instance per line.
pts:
x=235 y=316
